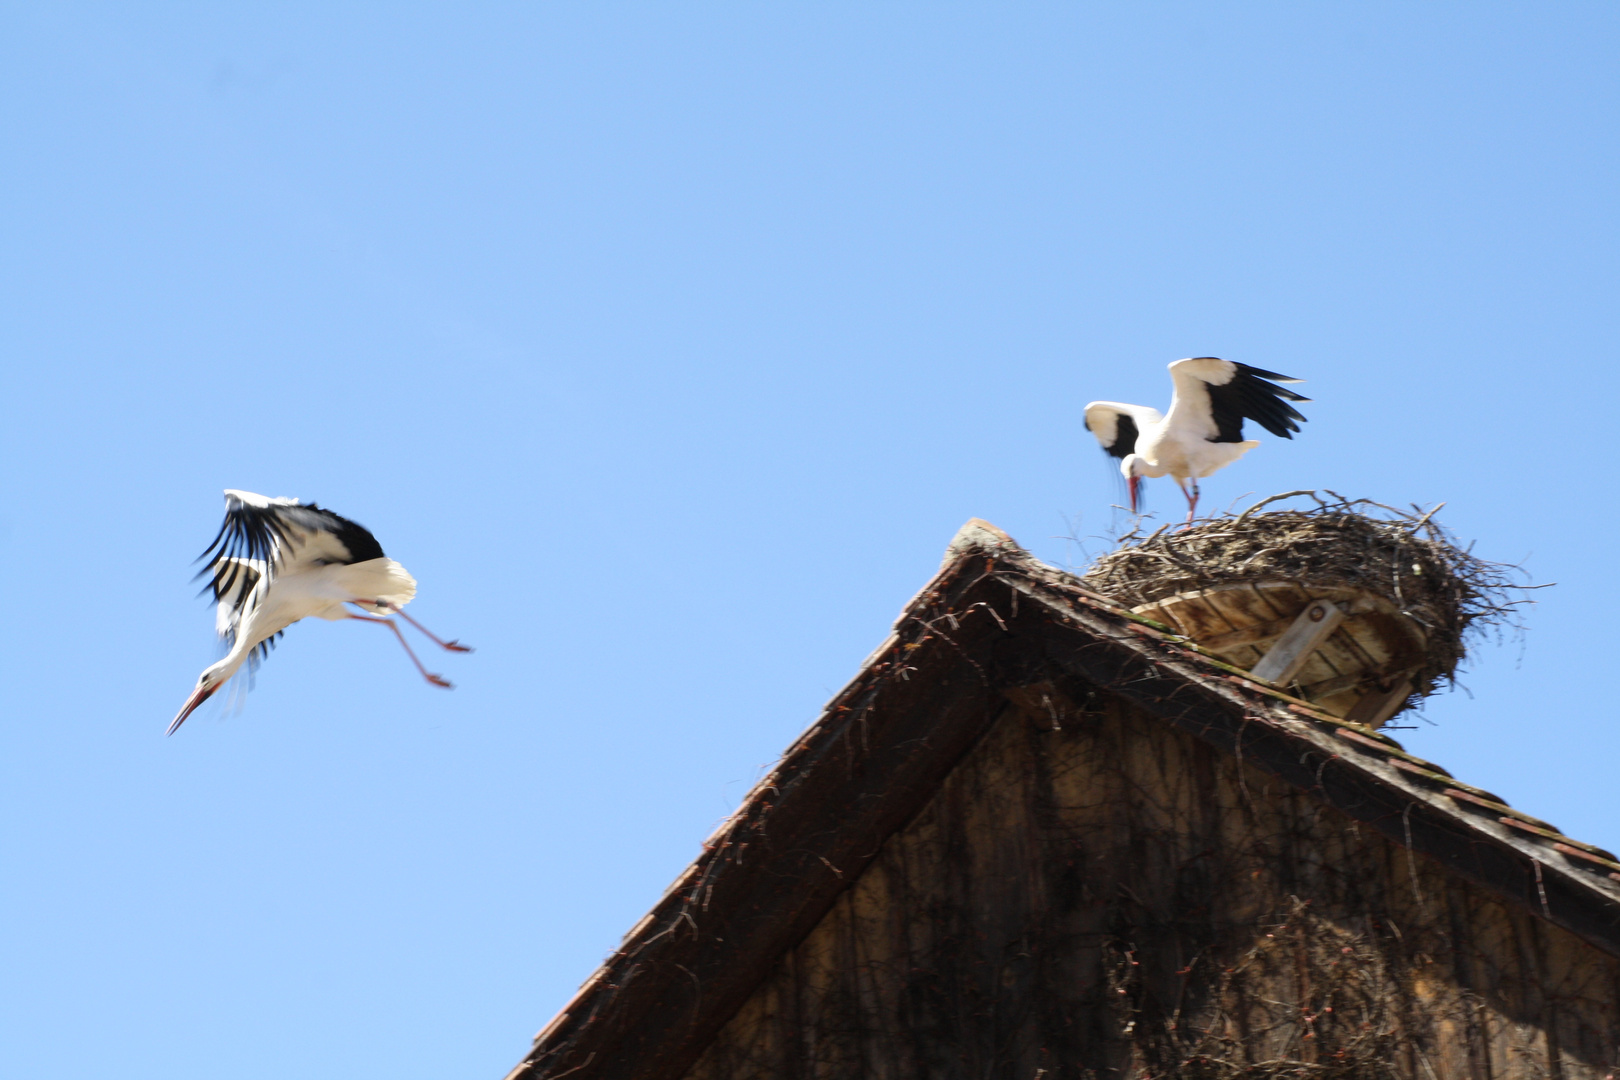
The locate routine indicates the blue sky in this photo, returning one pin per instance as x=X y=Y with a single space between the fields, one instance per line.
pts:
x=668 y=345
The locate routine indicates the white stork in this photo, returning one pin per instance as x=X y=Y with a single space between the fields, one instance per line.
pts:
x=1203 y=431
x=276 y=561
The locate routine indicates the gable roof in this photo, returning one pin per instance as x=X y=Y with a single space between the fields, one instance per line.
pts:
x=996 y=625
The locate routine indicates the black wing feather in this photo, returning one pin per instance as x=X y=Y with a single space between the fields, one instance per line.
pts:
x=265 y=534
x=261 y=533
x=1249 y=396
x=1125 y=435
x=361 y=544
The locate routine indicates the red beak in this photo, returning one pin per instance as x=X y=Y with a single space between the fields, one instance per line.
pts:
x=1135 y=484
x=198 y=696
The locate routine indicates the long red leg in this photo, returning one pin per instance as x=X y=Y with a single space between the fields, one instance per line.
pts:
x=1189 y=491
x=453 y=646
x=436 y=680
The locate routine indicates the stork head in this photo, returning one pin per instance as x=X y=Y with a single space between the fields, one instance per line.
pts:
x=1130 y=468
x=208 y=682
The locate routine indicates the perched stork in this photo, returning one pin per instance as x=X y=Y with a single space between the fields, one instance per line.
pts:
x=1203 y=431
x=276 y=561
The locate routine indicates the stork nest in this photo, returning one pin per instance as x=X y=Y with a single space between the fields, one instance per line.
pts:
x=1407 y=557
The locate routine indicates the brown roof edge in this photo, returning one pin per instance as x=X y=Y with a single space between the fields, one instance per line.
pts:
x=885 y=742
x=768 y=874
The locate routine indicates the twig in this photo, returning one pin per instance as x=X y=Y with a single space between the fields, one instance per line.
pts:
x=1267 y=501
x=1424 y=520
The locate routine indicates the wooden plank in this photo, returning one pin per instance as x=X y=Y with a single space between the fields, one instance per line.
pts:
x=1249 y=635
x=1327 y=688
x=1376 y=706
x=1284 y=659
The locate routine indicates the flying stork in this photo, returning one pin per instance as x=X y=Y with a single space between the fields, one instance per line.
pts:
x=1203 y=431
x=276 y=561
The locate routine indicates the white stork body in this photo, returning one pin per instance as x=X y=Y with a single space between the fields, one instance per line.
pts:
x=277 y=561
x=1203 y=431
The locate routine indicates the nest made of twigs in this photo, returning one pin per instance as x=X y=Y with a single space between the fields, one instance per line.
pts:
x=1404 y=556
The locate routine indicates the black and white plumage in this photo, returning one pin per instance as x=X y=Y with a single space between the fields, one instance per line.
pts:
x=275 y=561
x=1203 y=431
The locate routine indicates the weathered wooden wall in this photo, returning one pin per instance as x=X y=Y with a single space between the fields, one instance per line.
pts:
x=1099 y=894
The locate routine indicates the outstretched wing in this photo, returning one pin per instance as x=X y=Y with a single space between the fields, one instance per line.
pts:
x=1215 y=396
x=1117 y=426
x=238 y=589
x=263 y=537
x=238 y=586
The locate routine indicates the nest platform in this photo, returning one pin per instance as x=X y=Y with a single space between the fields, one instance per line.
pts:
x=1406 y=599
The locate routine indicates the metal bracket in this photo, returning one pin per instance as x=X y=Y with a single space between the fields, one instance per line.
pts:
x=1290 y=652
